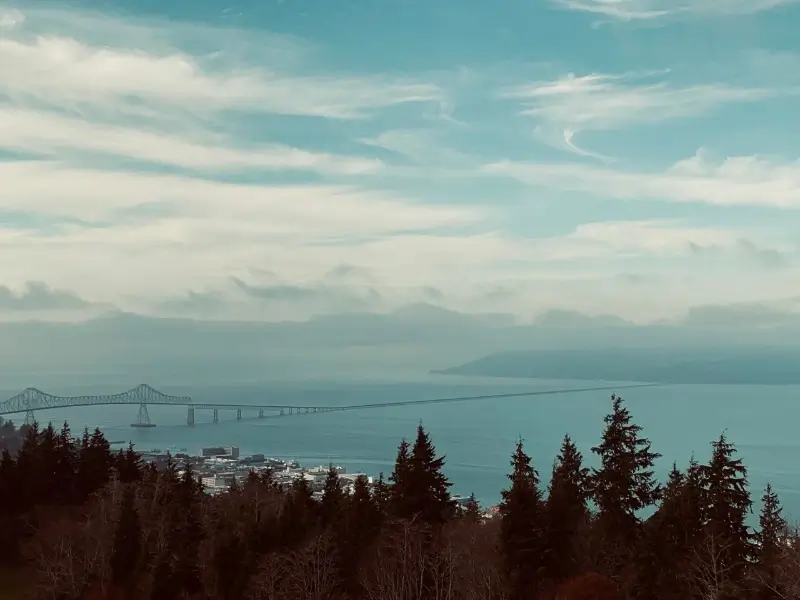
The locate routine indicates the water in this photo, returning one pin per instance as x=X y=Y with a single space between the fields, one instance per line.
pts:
x=478 y=436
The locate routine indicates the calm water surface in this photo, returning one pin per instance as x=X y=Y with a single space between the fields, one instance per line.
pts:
x=477 y=437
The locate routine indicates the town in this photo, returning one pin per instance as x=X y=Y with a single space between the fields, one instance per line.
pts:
x=220 y=466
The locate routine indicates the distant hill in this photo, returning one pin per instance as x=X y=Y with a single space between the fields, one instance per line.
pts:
x=665 y=365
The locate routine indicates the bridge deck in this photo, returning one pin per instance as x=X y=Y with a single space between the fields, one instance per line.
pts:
x=32 y=399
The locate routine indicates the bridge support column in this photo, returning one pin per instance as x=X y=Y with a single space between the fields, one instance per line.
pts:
x=216 y=416
x=190 y=416
x=261 y=413
x=30 y=418
x=143 y=418
x=238 y=414
x=291 y=410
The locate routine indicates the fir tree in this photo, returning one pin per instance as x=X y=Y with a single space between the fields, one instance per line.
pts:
x=300 y=514
x=624 y=484
x=128 y=464
x=332 y=497
x=382 y=494
x=360 y=524
x=522 y=527
x=10 y=508
x=567 y=513
x=66 y=465
x=472 y=510
x=127 y=541
x=664 y=544
x=727 y=503
x=427 y=490
x=399 y=481
x=362 y=510
x=769 y=540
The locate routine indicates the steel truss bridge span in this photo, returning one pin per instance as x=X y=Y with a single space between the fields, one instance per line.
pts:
x=32 y=399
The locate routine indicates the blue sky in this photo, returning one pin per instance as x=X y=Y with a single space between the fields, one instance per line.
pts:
x=281 y=159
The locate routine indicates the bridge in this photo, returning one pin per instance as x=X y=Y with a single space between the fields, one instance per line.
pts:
x=32 y=399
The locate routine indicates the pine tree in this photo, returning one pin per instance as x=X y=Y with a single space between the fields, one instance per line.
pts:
x=769 y=541
x=428 y=491
x=624 y=484
x=332 y=497
x=128 y=464
x=381 y=491
x=398 y=483
x=472 y=510
x=66 y=465
x=419 y=488
x=567 y=513
x=522 y=527
x=663 y=546
x=360 y=524
x=362 y=510
x=10 y=508
x=727 y=503
x=300 y=514
x=127 y=541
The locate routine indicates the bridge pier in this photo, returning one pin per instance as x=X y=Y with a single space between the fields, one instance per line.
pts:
x=190 y=416
x=30 y=418
x=143 y=418
x=238 y=414
x=216 y=416
x=261 y=413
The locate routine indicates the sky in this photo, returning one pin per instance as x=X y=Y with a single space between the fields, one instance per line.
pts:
x=281 y=159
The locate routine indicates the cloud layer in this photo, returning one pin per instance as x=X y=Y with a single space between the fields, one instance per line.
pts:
x=189 y=167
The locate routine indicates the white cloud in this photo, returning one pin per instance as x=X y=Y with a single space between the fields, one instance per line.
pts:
x=10 y=18
x=58 y=70
x=59 y=191
x=637 y=238
x=52 y=135
x=735 y=181
x=638 y=10
x=566 y=106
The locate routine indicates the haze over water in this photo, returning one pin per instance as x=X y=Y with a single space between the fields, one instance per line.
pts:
x=476 y=436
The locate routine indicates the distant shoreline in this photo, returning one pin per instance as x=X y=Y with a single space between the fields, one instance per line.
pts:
x=770 y=366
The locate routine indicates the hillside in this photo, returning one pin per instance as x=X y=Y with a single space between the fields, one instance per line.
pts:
x=664 y=365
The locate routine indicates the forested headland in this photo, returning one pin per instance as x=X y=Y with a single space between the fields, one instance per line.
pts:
x=78 y=521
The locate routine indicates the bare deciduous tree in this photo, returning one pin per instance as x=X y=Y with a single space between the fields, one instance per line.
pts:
x=708 y=573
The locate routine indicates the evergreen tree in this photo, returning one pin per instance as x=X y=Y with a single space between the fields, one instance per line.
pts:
x=567 y=513
x=127 y=541
x=769 y=540
x=424 y=488
x=10 y=508
x=29 y=468
x=95 y=463
x=332 y=497
x=666 y=543
x=300 y=514
x=66 y=465
x=472 y=510
x=727 y=503
x=398 y=482
x=128 y=464
x=624 y=484
x=522 y=528
x=382 y=494
x=360 y=523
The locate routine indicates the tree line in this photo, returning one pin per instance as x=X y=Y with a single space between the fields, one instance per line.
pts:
x=81 y=522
